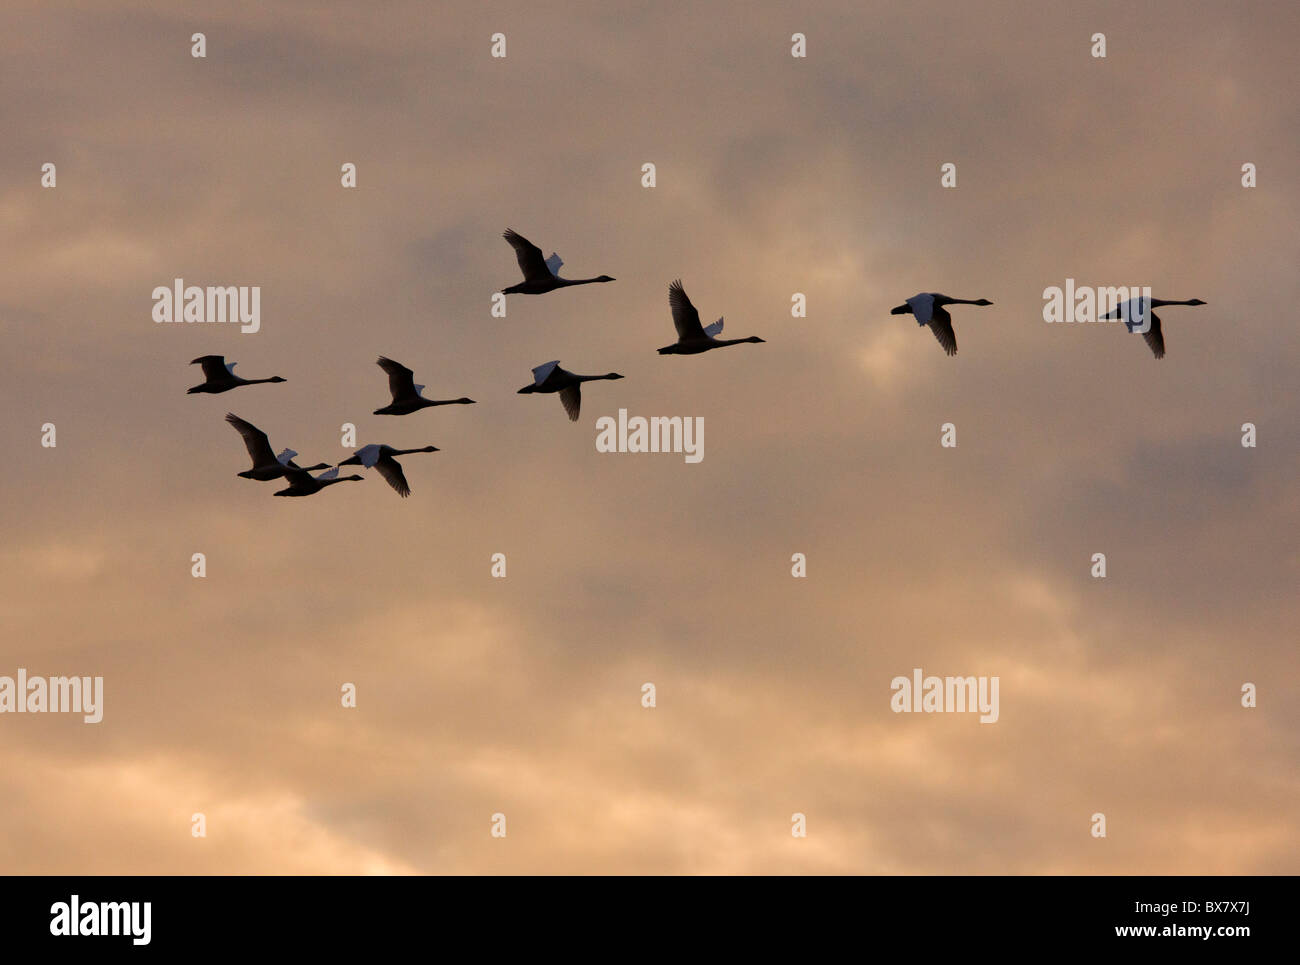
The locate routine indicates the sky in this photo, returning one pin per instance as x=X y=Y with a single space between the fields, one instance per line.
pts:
x=522 y=696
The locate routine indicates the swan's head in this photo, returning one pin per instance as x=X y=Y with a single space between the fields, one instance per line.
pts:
x=531 y=387
x=429 y=449
x=983 y=301
x=605 y=278
x=613 y=375
x=352 y=478
x=1196 y=301
x=351 y=461
x=464 y=401
x=276 y=378
x=901 y=310
x=755 y=338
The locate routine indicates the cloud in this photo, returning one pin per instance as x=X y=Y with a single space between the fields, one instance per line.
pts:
x=522 y=695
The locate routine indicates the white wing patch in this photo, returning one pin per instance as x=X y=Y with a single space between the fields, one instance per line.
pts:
x=369 y=455
x=285 y=457
x=329 y=473
x=922 y=307
x=230 y=367
x=419 y=389
x=542 y=371
x=553 y=263
x=714 y=329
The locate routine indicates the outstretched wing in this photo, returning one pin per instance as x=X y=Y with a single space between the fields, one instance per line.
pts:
x=214 y=367
x=1155 y=338
x=392 y=472
x=571 y=399
x=923 y=308
x=369 y=455
x=554 y=263
x=529 y=256
x=941 y=325
x=685 y=317
x=255 y=441
x=401 y=380
x=713 y=330
x=542 y=372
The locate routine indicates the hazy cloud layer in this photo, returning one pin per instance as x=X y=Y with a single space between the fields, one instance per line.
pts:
x=775 y=175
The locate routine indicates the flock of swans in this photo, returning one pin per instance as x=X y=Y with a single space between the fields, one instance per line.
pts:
x=541 y=275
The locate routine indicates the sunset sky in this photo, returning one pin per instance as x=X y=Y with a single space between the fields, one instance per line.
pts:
x=522 y=695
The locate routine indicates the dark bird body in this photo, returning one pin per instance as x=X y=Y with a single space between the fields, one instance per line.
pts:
x=1135 y=311
x=551 y=378
x=220 y=376
x=407 y=397
x=928 y=309
x=303 y=483
x=692 y=337
x=540 y=274
x=266 y=464
x=381 y=457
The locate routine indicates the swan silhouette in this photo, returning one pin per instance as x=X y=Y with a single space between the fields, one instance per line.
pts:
x=692 y=337
x=407 y=397
x=266 y=464
x=541 y=275
x=928 y=309
x=381 y=457
x=219 y=375
x=303 y=483
x=1134 y=312
x=551 y=378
